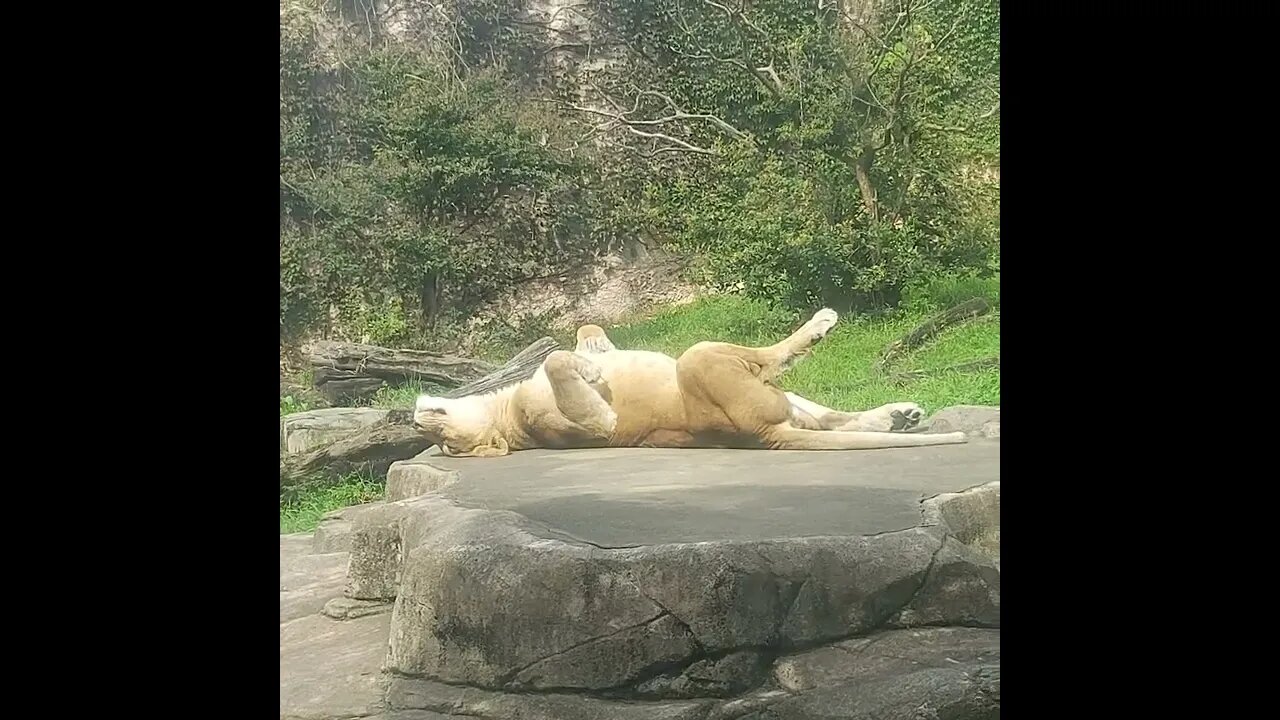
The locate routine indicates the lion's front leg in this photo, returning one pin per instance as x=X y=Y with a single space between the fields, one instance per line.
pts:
x=580 y=393
x=892 y=417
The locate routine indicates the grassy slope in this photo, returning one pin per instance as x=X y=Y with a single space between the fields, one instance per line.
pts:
x=838 y=373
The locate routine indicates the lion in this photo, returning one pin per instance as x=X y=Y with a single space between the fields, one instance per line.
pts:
x=715 y=395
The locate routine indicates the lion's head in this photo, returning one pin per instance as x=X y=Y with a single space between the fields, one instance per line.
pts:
x=462 y=427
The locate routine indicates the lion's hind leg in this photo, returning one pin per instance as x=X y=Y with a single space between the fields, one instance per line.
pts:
x=767 y=363
x=723 y=397
x=592 y=339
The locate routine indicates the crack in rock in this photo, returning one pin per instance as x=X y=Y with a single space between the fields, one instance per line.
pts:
x=924 y=581
x=512 y=675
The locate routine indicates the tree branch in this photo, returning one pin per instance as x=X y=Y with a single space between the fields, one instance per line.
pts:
x=765 y=75
x=622 y=118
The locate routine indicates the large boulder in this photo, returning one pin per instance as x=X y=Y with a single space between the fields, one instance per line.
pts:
x=973 y=420
x=669 y=584
x=308 y=430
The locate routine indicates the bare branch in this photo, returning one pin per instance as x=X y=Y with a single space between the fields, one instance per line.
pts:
x=724 y=127
x=765 y=75
x=628 y=120
x=769 y=72
x=944 y=128
x=727 y=12
x=668 y=138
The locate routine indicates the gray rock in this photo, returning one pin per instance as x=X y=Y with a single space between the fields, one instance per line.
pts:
x=376 y=552
x=480 y=614
x=747 y=704
x=971 y=516
x=336 y=530
x=727 y=593
x=971 y=419
x=485 y=600
x=629 y=497
x=330 y=669
x=511 y=613
x=962 y=588
x=849 y=586
x=411 y=478
x=308 y=581
x=938 y=672
x=333 y=535
x=613 y=660
x=409 y=693
x=295 y=544
x=966 y=692
x=308 y=430
x=727 y=676
x=884 y=655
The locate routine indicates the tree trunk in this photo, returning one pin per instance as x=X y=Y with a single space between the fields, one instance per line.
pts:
x=862 y=170
x=972 y=365
x=429 y=300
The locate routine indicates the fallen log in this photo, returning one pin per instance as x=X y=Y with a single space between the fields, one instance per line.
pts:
x=371 y=450
x=375 y=448
x=518 y=368
x=343 y=391
x=355 y=370
x=930 y=328
x=983 y=364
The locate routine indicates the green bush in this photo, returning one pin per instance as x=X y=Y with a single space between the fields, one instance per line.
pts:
x=406 y=189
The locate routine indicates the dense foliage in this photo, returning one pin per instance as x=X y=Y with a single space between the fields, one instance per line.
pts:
x=804 y=152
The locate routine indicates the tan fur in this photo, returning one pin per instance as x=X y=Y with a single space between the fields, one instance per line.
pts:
x=715 y=395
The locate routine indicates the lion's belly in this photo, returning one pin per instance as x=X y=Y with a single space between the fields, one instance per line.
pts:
x=642 y=390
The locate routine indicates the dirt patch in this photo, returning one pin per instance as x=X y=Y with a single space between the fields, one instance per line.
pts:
x=602 y=293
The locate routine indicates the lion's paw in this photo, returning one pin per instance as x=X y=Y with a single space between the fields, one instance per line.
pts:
x=590 y=372
x=894 y=417
x=905 y=416
x=603 y=425
x=822 y=322
x=596 y=345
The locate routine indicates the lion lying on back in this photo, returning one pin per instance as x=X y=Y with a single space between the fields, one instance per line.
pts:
x=715 y=395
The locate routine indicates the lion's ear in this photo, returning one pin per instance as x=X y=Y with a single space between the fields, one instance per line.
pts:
x=497 y=448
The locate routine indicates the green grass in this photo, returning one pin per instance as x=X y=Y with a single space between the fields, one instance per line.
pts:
x=839 y=373
x=303 y=510
x=290 y=405
x=404 y=396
